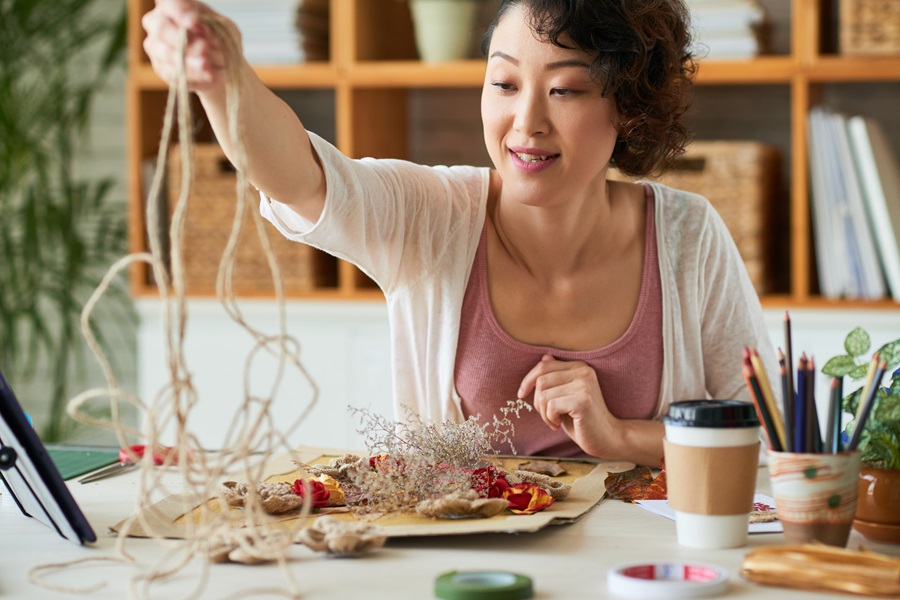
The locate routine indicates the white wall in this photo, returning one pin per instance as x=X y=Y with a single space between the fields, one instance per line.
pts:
x=346 y=351
x=344 y=347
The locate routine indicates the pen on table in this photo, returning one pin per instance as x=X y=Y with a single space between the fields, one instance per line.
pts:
x=784 y=369
x=788 y=399
x=865 y=406
x=833 y=428
x=800 y=407
x=759 y=402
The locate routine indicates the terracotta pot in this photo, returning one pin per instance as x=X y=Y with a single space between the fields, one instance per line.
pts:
x=878 y=506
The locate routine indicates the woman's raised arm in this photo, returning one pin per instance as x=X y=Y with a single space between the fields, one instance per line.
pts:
x=280 y=158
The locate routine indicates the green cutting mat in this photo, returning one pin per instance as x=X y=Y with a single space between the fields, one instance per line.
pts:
x=73 y=461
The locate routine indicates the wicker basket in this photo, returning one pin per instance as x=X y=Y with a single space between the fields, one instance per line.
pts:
x=740 y=180
x=869 y=27
x=210 y=216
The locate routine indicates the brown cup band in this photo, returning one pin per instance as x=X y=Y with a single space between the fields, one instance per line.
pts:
x=711 y=481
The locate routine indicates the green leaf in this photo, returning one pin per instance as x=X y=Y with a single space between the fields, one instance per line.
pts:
x=891 y=353
x=857 y=342
x=851 y=401
x=839 y=366
x=859 y=372
x=886 y=414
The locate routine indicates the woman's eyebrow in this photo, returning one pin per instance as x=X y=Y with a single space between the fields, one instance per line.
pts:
x=559 y=64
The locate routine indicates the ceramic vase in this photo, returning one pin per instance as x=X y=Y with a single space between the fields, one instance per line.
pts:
x=815 y=495
x=443 y=28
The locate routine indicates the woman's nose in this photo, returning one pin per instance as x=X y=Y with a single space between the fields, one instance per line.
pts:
x=531 y=114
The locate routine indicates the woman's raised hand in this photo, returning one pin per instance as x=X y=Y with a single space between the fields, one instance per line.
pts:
x=567 y=395
x=204 y=60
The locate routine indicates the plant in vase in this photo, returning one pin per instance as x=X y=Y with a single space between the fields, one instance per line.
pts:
x=878 y=506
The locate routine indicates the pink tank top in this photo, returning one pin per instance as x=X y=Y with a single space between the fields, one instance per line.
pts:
x=490 y=364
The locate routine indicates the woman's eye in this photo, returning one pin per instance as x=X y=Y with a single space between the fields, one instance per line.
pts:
x=562 y=92
x=503 y=86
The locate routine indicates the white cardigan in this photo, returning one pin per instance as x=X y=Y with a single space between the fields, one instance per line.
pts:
x=414 y=230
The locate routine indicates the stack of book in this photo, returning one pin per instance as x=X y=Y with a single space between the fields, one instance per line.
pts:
x=855 y=178
x=268 y=30
x=728 y=29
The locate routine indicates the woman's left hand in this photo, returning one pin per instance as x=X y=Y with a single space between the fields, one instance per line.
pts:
x=567 y=395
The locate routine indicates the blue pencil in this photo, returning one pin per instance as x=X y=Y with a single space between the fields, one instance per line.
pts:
x=800 y=407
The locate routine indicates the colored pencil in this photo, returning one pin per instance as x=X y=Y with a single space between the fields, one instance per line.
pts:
x=870 y=377
x=800 y=407
x=759 y=402
x=866 y=405
x=784 y=369
x=833 y=427
x=813 y=430
x=760 y=372
x=788 y=399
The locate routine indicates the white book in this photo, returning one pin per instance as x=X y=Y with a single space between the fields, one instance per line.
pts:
x=746 y=46
x=879 y=173
x=726 y=18
x=846 y=251
x=872 y=282
x=825 y=235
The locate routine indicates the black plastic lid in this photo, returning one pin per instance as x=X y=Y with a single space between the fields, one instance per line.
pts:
x=711 y=413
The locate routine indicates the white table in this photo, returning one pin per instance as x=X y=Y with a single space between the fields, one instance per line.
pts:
x=564 y=561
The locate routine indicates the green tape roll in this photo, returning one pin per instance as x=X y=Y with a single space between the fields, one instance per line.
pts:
x=483 y=585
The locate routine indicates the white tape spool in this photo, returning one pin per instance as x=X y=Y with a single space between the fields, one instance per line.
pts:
x=647 y=581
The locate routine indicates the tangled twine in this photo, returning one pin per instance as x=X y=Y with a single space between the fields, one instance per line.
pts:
x=252 y=436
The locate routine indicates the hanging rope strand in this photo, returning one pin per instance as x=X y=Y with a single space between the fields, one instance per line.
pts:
x=252 y=436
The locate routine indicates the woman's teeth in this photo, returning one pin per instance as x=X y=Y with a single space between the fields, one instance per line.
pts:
x=531 y=157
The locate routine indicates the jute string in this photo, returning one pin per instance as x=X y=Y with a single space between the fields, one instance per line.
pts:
x=252 y=437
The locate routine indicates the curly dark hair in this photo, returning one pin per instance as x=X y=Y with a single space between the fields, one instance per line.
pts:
x=642 y=60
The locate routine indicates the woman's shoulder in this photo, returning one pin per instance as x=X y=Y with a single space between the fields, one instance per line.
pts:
x=681 y=208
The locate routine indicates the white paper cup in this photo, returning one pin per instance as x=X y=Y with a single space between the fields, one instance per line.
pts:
x=712 y=451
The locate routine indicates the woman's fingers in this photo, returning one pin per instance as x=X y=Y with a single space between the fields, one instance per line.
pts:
x=184 y=13
x=203 y=56
x=546 y=364
x=559 y=393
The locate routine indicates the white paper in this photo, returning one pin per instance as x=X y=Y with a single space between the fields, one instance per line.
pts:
x=662 y=508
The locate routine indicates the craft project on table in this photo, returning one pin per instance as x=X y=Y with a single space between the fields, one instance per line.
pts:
x=174 y=515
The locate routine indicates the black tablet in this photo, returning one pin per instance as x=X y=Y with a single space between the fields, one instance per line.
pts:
x=32 y=478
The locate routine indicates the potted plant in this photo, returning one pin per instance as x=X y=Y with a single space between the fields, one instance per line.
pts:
x=443 y=28
x=878 y=506
x=59 y=230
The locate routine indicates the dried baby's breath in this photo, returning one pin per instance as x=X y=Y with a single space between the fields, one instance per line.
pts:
x=419 y=461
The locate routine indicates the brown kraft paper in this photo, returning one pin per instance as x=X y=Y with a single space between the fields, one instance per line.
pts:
x=711 y=481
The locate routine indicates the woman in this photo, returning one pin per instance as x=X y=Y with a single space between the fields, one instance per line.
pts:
x=599 y=302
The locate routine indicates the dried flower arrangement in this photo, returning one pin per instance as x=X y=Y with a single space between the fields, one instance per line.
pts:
x=439 y=470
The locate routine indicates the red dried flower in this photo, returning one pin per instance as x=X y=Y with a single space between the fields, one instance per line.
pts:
x=320 y=494
x=527 y=498
x=489 y=482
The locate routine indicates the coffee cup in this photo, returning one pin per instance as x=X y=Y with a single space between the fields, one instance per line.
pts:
x=711 y=458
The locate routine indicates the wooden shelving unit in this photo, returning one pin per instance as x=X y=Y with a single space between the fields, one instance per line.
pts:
x=373 y=69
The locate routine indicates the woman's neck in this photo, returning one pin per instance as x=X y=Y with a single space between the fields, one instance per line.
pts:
x=564 y=238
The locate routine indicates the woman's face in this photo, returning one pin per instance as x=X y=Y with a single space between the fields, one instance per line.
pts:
x=549 y=131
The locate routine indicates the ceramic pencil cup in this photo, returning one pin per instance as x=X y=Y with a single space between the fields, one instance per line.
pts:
x=815 y=495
